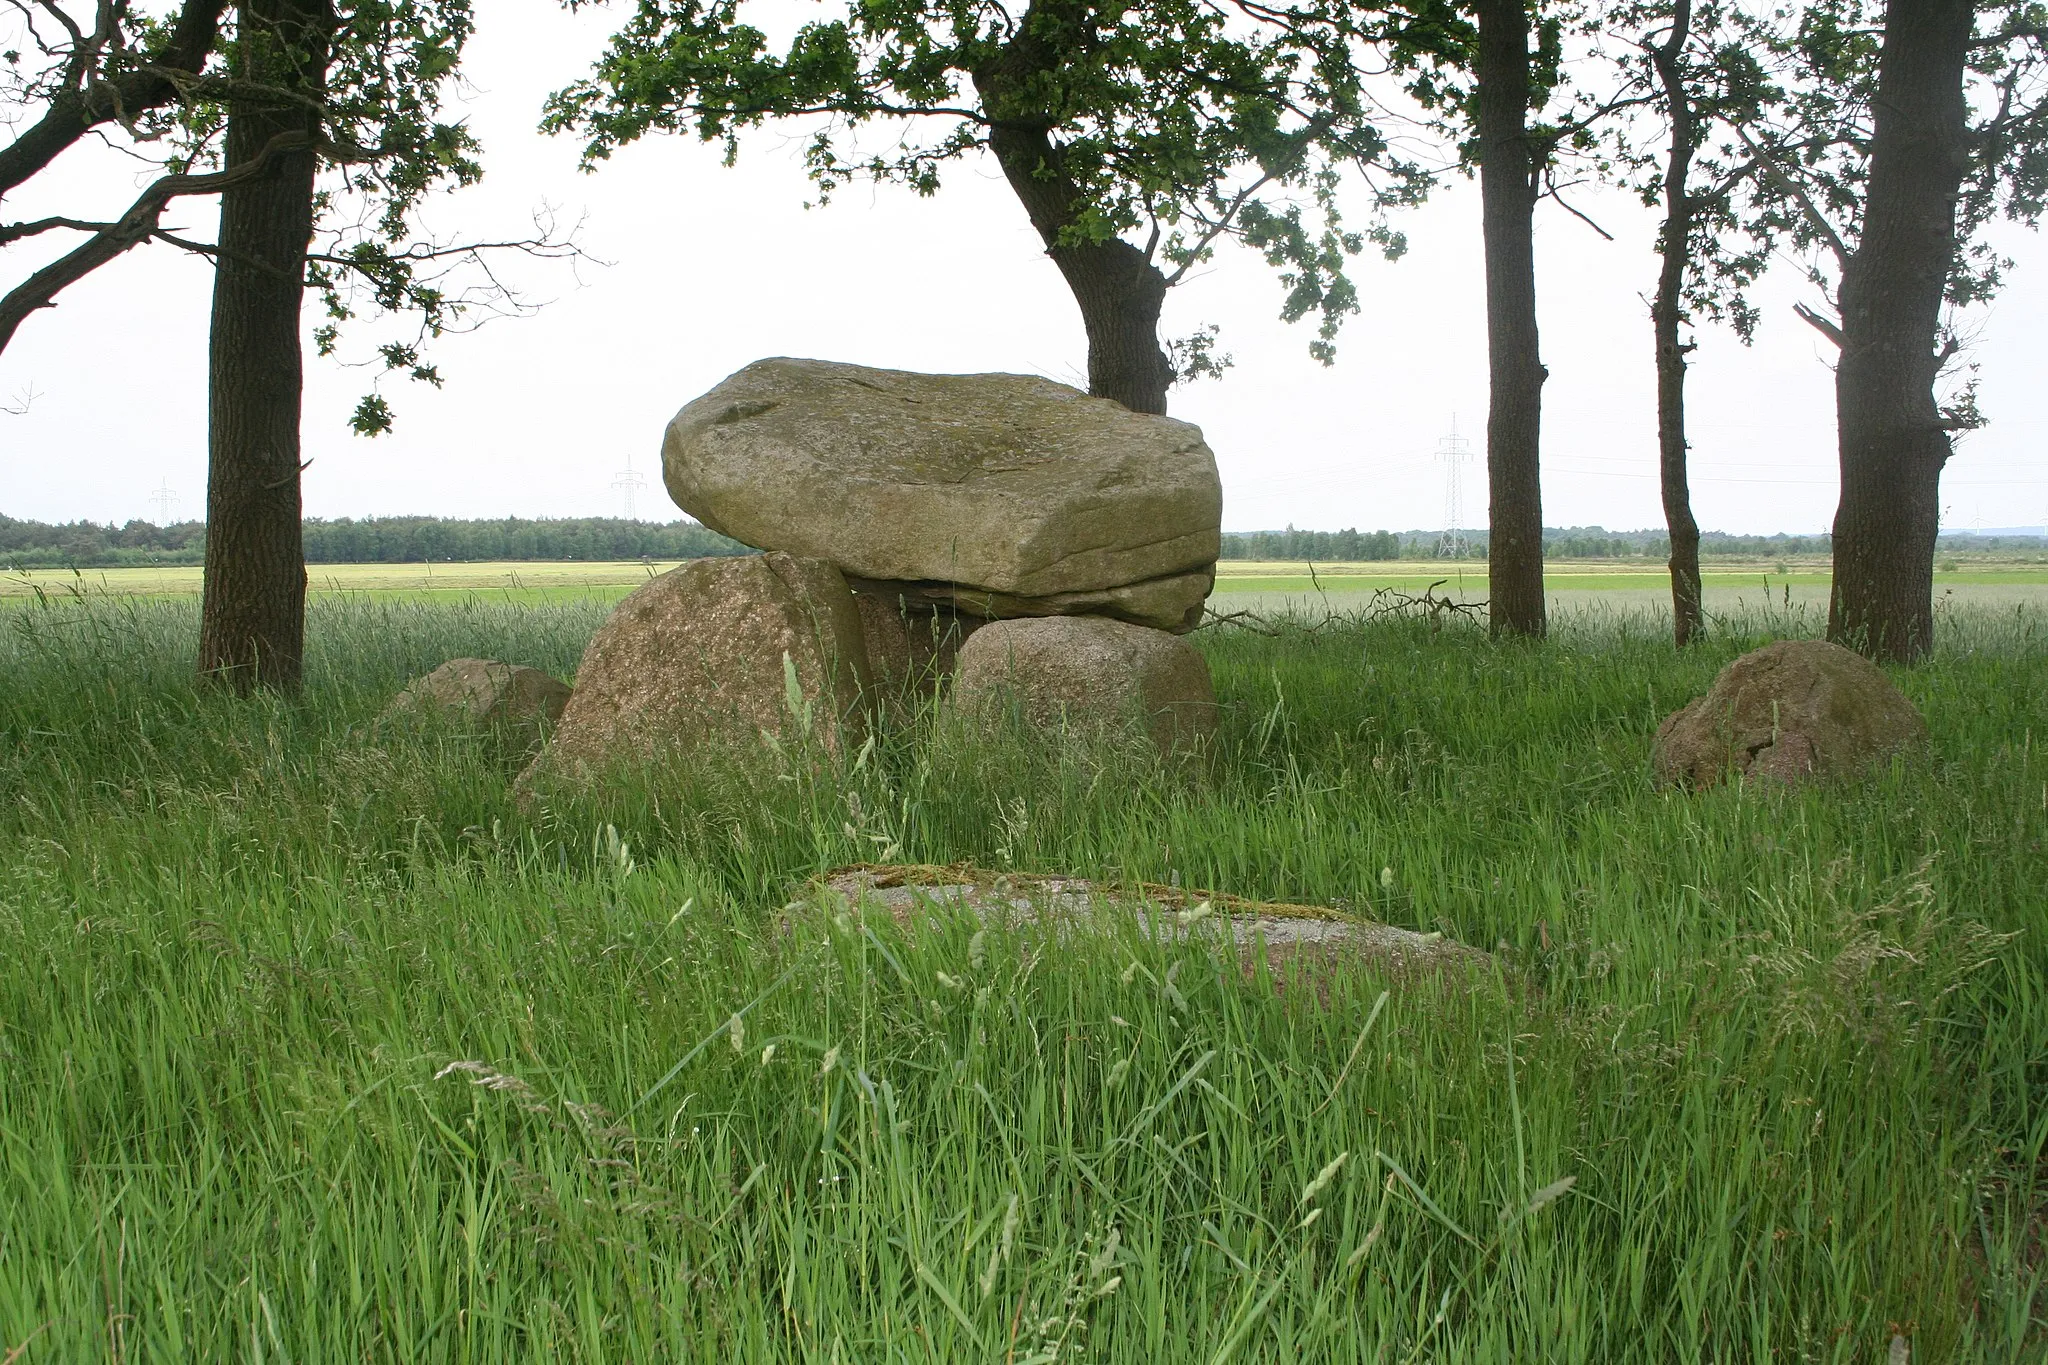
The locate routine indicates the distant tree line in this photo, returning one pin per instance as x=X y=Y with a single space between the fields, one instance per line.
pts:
x=373 y=540
x=414 y=540
x=1560 y=542
x=1336 y=546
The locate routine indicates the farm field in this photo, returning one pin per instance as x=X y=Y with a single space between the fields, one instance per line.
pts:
x=1240 y=584
x=318 y=1044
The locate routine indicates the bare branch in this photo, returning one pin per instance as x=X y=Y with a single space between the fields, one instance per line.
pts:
x=1820 y=324
x=1555 y=193
x=14 y=232
x=1216 y=229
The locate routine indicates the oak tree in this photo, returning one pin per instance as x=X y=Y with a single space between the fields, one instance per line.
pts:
x=1910 y=127
x=1136 y=137
x=319 y=124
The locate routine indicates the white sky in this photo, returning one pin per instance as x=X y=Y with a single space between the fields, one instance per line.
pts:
x=710 y=268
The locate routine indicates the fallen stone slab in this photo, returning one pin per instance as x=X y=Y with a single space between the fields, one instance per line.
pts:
x=1292 y=936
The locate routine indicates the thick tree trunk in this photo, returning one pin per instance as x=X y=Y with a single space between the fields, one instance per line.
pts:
x=1507 y=190
x=1118 y=288
x=1667 y=313
x=1120 y=294
x=1893 y=443
x=253 y=612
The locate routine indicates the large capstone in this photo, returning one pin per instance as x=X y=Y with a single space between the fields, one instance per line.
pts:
x=1789 y=712
x=998 y=495
x=714 y=654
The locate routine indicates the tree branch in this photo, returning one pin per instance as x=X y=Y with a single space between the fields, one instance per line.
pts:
x=14 y=232
x=135 y=226
x=87 y=100
x=1820 y=324
x=1797 y=193
x=1216 y=229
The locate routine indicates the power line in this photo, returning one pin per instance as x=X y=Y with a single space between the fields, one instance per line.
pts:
x=163 y=499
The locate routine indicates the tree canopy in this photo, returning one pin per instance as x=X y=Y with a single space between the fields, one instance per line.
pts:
x=1171 y=125
x=160 y=87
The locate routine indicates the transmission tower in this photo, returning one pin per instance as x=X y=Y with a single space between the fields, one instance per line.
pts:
x=1453 y=452
x=163 y=499
x=629 y=483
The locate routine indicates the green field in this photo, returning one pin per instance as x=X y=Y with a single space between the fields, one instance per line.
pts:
x=525 y=582
x=316 y=1045
x=1241 y=585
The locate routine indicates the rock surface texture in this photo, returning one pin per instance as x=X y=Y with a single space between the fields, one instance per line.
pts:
x=695 y=658
x=1000 y=495
x=1089 y=670
x=1305 y=940
x=1790 y=711
x=485 y=692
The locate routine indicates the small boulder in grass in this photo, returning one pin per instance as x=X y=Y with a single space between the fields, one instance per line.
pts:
x=482 y=693
x=1091 y=671
x=1789 y=712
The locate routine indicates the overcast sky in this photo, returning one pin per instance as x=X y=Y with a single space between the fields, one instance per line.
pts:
x=707 y=268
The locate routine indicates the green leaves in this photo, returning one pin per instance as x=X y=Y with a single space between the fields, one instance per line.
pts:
x=1170 y=125
x=372 y=416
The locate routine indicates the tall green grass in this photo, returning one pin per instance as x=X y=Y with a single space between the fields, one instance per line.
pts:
x=316 y=1045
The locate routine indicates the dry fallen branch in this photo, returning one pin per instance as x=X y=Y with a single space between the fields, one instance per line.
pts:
x=1383 y=604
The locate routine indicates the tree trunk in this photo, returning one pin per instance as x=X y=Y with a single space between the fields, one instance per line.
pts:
x=1507 y=191
x=1893 y=442
x=1118 y=288
x=253 y=613
x=1667 y=313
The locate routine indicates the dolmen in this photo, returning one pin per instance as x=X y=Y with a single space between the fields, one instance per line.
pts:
x=1000 y=540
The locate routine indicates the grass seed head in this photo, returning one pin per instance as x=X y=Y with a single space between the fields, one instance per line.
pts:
x=1323 y=1178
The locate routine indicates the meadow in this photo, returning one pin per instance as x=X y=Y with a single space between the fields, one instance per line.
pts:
x=1740 y=586
x=318 y=1045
